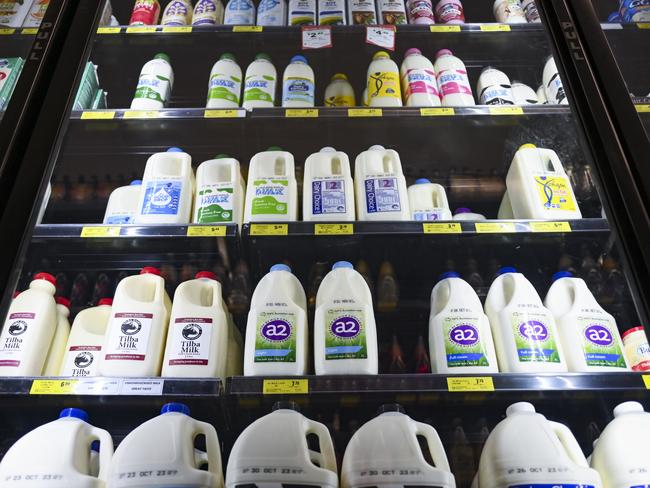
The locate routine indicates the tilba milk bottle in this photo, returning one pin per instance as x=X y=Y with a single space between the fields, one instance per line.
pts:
x=57 y=346
x=328 y=191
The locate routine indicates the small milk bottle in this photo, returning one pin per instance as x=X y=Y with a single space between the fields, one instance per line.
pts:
x=239 y=12
x=339 y=92
x=298 y=84
x=345 y=334
x=453 y=83
x=259 y=83
x=523 y=94
x=224 y=87
x=302 y=12
x=419 y=85
x=154 y=85
x=494 y=88
x=383 y=82
x=123 y=204
x=509 y=12
x=57 y=346
x=208 y=12
x=220 y=192
x=428 y=201
x=177 y=12
x=272 y=12
x=328 y=190
x=553 y=87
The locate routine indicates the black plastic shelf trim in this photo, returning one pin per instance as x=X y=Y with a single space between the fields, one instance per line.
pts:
x=67 y=231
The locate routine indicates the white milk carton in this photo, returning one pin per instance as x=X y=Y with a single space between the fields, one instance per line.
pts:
x=224 y=86
x=362 y=12
x=331 y=12
x=272 y=12
x=428 y=201
x=208 y=12
x=328 y=190
x=57 y=346
x=392 y=12
x=509 y=12
x=123 y=204
x=239 y=12
x=220 y=192
x=154 y=84
x=339 y=92
x=298 y=83
x=383 y=82
x=302 y=12
x=464 y=213
x=259 y=83
x=345 y=334
x=177 y=12
x=419 y=85
x=494 y=88
x=453 y=83
x=277 y=331
x=553 y=88
x=523 y=94
x=460 y=340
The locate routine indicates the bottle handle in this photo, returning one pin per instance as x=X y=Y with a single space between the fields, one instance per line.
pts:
x=326 y=446
x=569 y=443
x=212 y=447
x=105 y=450
x=435 y=445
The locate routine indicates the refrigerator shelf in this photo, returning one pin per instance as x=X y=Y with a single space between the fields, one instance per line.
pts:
x=74 y=231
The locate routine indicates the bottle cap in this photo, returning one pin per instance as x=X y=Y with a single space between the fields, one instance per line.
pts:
x=340 y=76
x=46 y=277
x=221 y=156
x=298 y=58
x=449 y=274
x=263 y=56
x=206 y=274
x=380 y=55
x=150 y=270
x=627 y=408
x=230 y=56
x=520 y=407
x=342 y=264
x=528 y=146
x=462 y=210
x=162 y=56
x=175 y=407
x=390 y=407
x=561 y=274
x=75 y=413
x=506 y=269
x=62 y=301
x=135 y=183
x=444 y=52
x=175 y=149
x=328 y=149
x=376 y=147
x=274 y=148
x=105 y=301
x=422 y=181
x=280 y=267
x=638 y=328
x=285 y=406
x=413 y=50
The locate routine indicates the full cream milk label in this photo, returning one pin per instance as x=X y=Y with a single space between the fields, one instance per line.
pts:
x=215 y=203
x=298 y=89
x=328 y=196
x=162 y=197
x=463 y=345
x=345 y=335
x=554 y=192
x=384 y=84
x=598 y=341
x=81 y=361
x=129 y=337
x=153 y=87
x=259 y=88
x=271 y=196
x=534 y=339
x=191 y=339
x=382 y=194
x=223 y=86
x=15 y=338
x=275 y=340
x=453 y=82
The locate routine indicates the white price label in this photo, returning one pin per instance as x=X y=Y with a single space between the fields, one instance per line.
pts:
x=316 y=36
x=142 y=387
x=381 y=35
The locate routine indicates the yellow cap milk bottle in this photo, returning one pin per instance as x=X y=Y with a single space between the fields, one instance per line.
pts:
x=57 y=346
x=29 y=328
x=385 y=452
x=339 y=92
x=177 y=12
x=86 y=339
x=328 y=191
x=419 y=85
x=298 y=83
x=428 y=201
x=135 y=336
x=525 y=449
x=276 y=330
x=380 y=186
x=160 y=452
x=276 y=442
x=259 y=83
x=123 y=204
x=272 y=12
x=208 y=12
x=57 y=455
x=219 y=192
x=224 y=86
x=524 y=331
x=538 y=186
x=453 y=83
x=167 y=189
x=345 y=333
x=154 y=84
x=383 y=82
x=460 y=340
x=590 y=337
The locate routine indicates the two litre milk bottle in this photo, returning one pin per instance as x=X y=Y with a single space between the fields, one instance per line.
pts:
x=328 y=190
x=428 y=201
x=57 y=349
x=419 y=84
x=453 y=83
x=460 y=340
x=224 y=86
x=154 y=84
x=298 y=83
x=259 y=83
x=339 y=92
x=161 y=452
x=494 y=88
x=123 y=204
x=385 y=452
x=239 y=12
x=383 y=82
x=220 y=192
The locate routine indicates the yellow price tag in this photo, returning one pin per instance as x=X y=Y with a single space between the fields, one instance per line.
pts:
x=141 y=114
x=177 y=28
x=141 y=29
x=4 y=31
x=470 y=383
x=29 y=31
x=431 y=111
x=365 y=112
x=247 y=28
x=101 y=231
x=506 y=110
x=550 y=226
x=444 y=28
x=494 y=227
x=333 y=229
x=495 y=28
x=229 y=113
x=280 y=387
x=52 y=387
x=109 y=30
x=643 y=108
x=646 y=380
x=643 y=25
x=440 y=228
x=269 y=229
x=206 y=231
x=301 y=112
x=96 y=115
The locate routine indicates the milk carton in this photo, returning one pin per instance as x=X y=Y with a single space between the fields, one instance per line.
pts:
x=177 y=12
x=391 y=12
x=220 y=192
x=302 y=12
x=328 y=190
x=298 y=83
x=224 y=87
x=419 y=85
x=494 y=88
x=509 y=12
x=383 y=82
x=464 y=213
x=208 y=12
x=553 y=87
x=331 y=12
x=523 y=94
x=428 y=201
x=154 y=84
x=272 y=12
x=259 y=83
x=453 y=83
x=339 y=92
x=57 y=346
x=123 y=204
x=239 y=12
x=362 y=12
x=36 y=13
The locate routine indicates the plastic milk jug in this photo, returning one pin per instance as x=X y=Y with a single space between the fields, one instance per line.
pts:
x=464 y=213
x=553 y=87
x=383 y=82
x=331 y=12
x=505 y=208
x=523 y=94
x=453 y=83
x=460 y=340
x=272 y=12
x=123 y=204
x=524 y=331
x=419 y=85
x=161 y=452
x=208 y=12
x=589 y=335
x=385 y=452
x=177 y=12
x=345 y=334
x=57 y=455
x=362 y=12
x=29 y=328
x=538 y=187
x=86 y=339
x=239 y=12
x=302 y=12
x=525 y=449
x=259 y=83
x=494 y=88
x=167 y=189
x=135 y=336
x=380 y=186
x=428 y=201
x=220 y=192
x=328 y=190
x=339 y=92
x=57 y=346
x=298 y=84
x=276 y=330
x=154 y=84
x=271 y=192
x=224 y=87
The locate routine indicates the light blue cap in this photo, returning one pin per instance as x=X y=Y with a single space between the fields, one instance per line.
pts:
x=175 y=149
x=342 y=264
x=562 y=274
x=506 y=269
x=75 y=413
x=421 y=181
x=175 y=407
x=280 y=267
x=298 y=58
x=449 y=274
x=135 y=183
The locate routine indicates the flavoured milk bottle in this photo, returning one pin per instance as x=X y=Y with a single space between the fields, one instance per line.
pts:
x=224 y=87
x=154 y=84
x=272 y=12
x=523 y=94
x=276 y=330
x=220 y=192
x=362 y=12
x=464 y=213
x=302 y=12
x=530 y=9
x=161 y=452
x=123 y=204
x=145 y=12
x=524 y=331
x=419 y=85
x=298 y=84
x=494 y=88
x=525 y=449
x=29 y=328
x=259 y=83
x=553 y=88
x=57 y=346
x=345 y=334
x=380 y=186
x=339 y=92
x=453 y=83
x=589 y=334
x=450 y=12
x=428 y=201
x=460 y=340
x=208 y=12
x=385 y=452
x=177 y=12
x=328 y=190
x=331 y=12
x=509 y=12
x=420 y=12
x=135 y=336
x=239 y=12
x=57 y=455
x=391 y=12
x=383 y=82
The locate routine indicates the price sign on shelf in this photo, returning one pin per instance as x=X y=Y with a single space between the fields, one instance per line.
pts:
x=316 y=36
x=381 y=35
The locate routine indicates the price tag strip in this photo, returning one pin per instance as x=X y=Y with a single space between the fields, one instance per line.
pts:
x=227 y=113
x=97 y=386
x=646 y=380
x=301 y=112
x=316 y=36
x=381 y=35
x=100 y=231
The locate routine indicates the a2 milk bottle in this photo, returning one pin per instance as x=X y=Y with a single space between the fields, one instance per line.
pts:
x=328 y=191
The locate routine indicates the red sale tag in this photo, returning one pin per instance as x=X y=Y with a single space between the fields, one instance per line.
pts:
x=316 y=36
x=381 y=35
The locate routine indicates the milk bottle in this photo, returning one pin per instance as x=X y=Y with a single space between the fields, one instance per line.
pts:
x=328 y=190
x=589 y=334
x=420 y=12
x=208 y=12
x=154 y=84
x=505 y=208
x=464 y=213
x=279 y=440
x=29 y=328
x=362 y=12
x=123 y=204
x=392 y=12
x=509 y=12
x=339 y=92
x=450 y=12
x=239 y=12
x=419 y=85
x=302 y=12
x=428 y=201
x=83 y=349
x=167 y=189
x=386 y=452
x=145 y=12
x=220 y=192
x=541 y=94
x=57 y=455
x=523 y=94
x=276 y=330
x=525 y=449
x=460 y=340
x=161 y=452
x=345 y=334
x=259 y=83
x=57 y=346
x=524 y=331
x=383 y=82
x=177 y=12
x=453 y=83
x=331 y=12
x=271 y=193
x=637 y=349
x=272 y=12
x=135 y=336
x=494 y=88
x=224 y=87
x=530 y=9
x=298 y=84
x=553 y=87
x=635 y=11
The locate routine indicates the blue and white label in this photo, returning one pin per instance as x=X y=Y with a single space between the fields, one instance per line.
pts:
x=328 y=197
x=119 y=218
x=297 y=89
x=497 y=95
x=382 y=195
x=271 y=12
x=240 y=12
x=424 y=215
x=162 y=197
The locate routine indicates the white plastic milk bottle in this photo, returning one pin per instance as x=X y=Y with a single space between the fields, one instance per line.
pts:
x=464 y=213
x=553 y=87
x=276 y=330
x=208 y=12
x=161 y=452
x=523 y=94
x=272 y=12
x=538 y=186
x=57 y=455
x=460 y=340
x=419 y=85
x=271 y=192
x=29 y=328
x=57 y=346
x=385 y=452
x=339 y=92
x=589 y=334
x=525 y=449
x=177 y=12
x=428 y=201
x=123 y=204
x=302 y=12
x=167 y=189
x=277 y=441
x=239 y=12
x=524 y=331
x=380 y=186
x=328 y=190
x=135 y=336
x=259 y=83
x=224 y=87
x=220 y=192
x=154 y=84
x=505 y=208
x=345 y=334
x=494 y=88
x=509 y=12
x=298 y=83
x=383 y=82
x=453 y=83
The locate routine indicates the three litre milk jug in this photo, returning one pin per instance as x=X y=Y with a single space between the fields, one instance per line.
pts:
x=57 y=346
x=385 y=452
x=345 y=333
x=428 y=201
x=123 y=204
x=57 y=455
x=276 y=330
x=154 y=84
x=328 y=190
x=219 y=192
x=278 y=441
x=135 y=336
x=590 y=337
x=524 y=331
x=383 y=82
x=460 y=340
x=161 y=452
x=525 y=449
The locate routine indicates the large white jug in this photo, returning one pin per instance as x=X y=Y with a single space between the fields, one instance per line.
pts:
x=328 y=191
